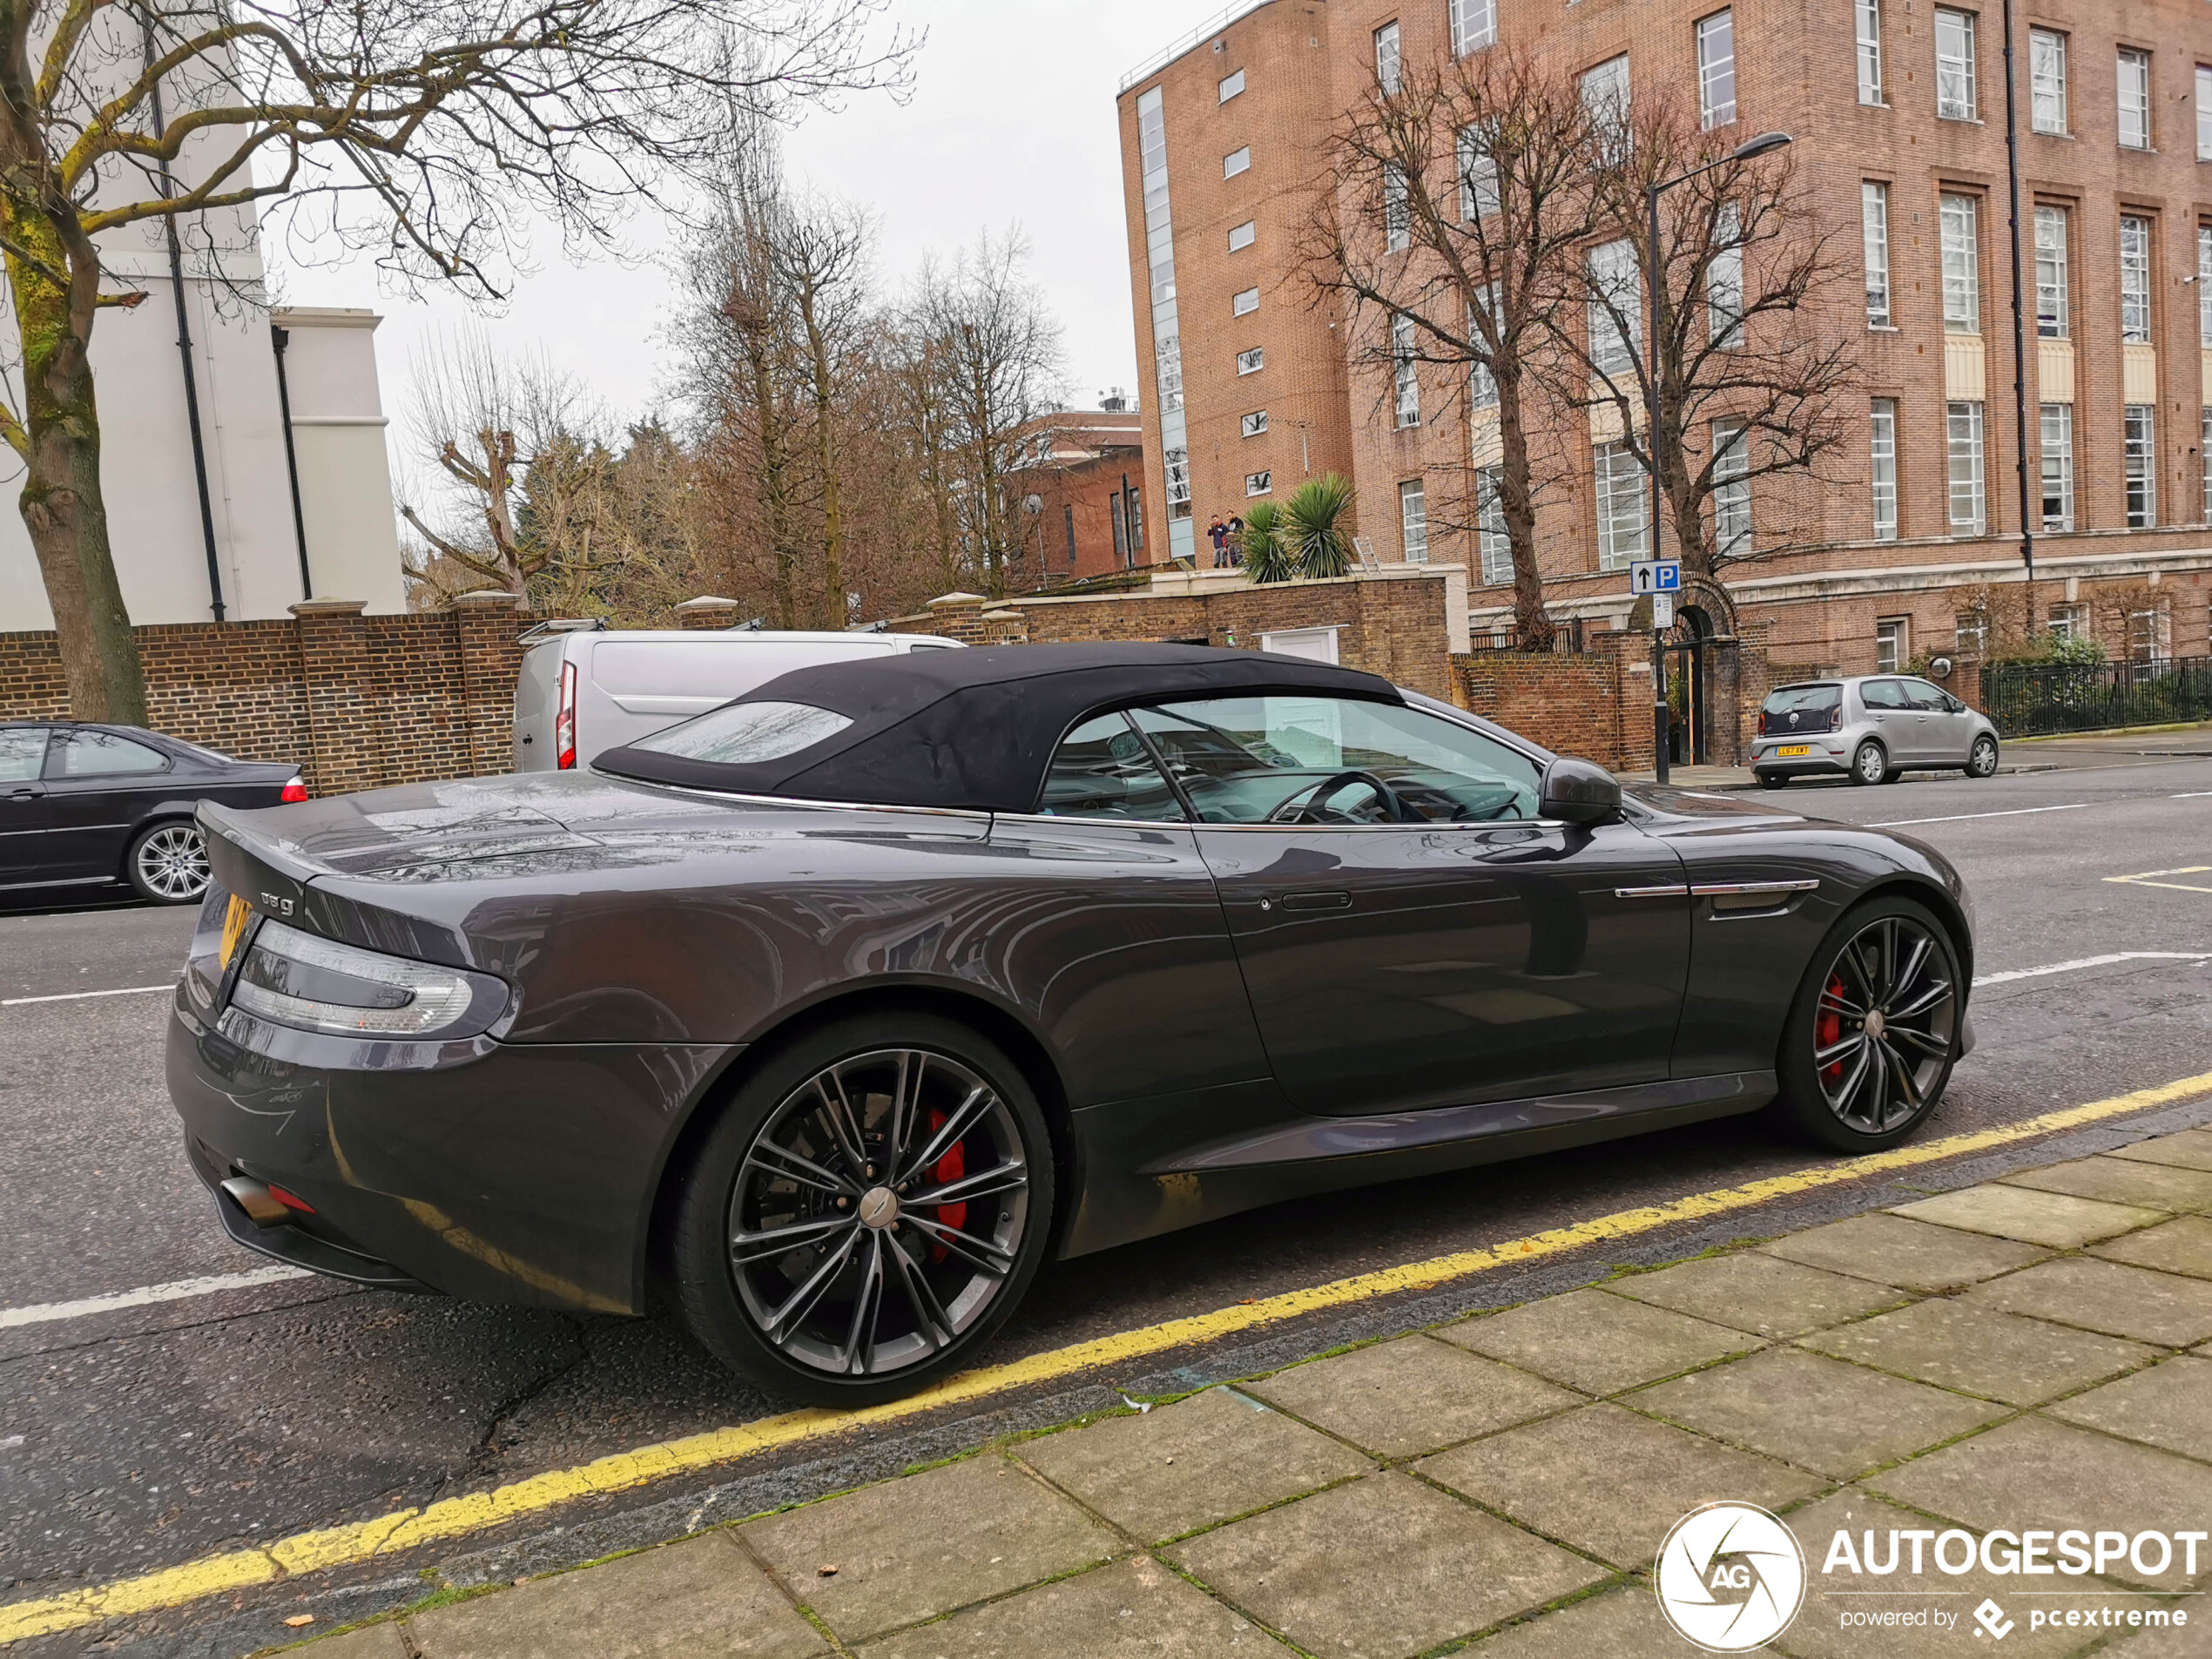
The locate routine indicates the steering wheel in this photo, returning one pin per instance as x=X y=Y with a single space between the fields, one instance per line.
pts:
x=1308 y=806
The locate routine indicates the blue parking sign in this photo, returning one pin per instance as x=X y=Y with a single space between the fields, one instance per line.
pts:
x=1655 y=575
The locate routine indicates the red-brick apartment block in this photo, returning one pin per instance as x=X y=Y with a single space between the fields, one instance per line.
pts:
x=1897 y=107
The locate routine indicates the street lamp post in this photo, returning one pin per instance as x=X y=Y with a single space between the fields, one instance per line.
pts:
x=1758 y=146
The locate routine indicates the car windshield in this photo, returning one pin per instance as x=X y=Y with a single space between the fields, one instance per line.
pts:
x=1317 y=759
x=741 y=734
x=1803 y=699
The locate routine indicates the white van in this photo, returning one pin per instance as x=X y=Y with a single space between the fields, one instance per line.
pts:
x=582 y=690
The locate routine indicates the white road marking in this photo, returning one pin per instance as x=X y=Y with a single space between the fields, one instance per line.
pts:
x=176 y=1290
x=2194 y=794
x=2095 y=962
x=1960 y=817
x=78 y=996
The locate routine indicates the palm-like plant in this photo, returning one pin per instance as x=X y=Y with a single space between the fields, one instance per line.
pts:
x=1313 y=526
x=1267 y=555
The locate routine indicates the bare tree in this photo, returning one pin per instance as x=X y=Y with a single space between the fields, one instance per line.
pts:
x=1748 y=377
x=1456 y=208
x=522 y=447
x=996 y=348
x=427 y=130
x=821 y=259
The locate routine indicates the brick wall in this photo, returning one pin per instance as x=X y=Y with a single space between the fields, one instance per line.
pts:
x=1595 y=703
x=355 y=701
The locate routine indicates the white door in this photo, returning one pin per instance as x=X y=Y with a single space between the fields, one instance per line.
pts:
x=1315 y=645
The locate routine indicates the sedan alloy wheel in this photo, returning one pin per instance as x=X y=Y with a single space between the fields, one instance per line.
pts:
x=169 y=864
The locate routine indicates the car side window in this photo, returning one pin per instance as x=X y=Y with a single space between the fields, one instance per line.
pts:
x=1102 y=770
x=1928 y=699
x=1313 y=759
x=1882 y=694
x=22 y=751
x=98 y=754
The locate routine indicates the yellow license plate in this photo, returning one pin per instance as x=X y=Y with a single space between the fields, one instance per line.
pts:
x=1784 y=751
x=234 y=920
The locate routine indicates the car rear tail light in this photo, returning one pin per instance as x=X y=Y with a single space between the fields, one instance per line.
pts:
x=565 y=721
x=312 y=983
x=294 y=792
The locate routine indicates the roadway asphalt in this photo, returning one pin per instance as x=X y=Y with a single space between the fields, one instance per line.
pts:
x=140 y=1436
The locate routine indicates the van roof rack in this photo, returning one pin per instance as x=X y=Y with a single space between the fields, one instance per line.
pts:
x=553 y=625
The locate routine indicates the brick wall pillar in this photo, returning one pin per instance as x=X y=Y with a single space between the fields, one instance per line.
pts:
x=345 y=746
x=707 y=611
x=1631 y=651
x=485 y=633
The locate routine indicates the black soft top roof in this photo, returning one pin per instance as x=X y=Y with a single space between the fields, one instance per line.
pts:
x=975 y=729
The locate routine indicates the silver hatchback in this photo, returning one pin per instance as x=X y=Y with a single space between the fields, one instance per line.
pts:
x=1871 y=728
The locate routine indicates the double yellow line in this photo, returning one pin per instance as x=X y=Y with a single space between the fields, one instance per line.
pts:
x=452 y=1518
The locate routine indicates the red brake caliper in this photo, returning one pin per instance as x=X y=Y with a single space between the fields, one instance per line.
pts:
x=947 y=1168
x=1828 y=1028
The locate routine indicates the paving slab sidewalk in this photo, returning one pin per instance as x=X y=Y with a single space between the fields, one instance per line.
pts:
x=2033 y=1352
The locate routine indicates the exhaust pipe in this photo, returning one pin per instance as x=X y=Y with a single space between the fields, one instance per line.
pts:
x=254 y=1197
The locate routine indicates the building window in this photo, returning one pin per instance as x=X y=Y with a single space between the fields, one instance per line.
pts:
x=1258 y=483
x=2139 y=464
x=1387 y=59
x=1731 y=489
x=1892 y=645
x=1398 y=214
x=1250 y=362
x=2134 y=98
x=1232 y=85
x=1870 y=51
x=2058 y=468
x=1177 y=469
x=1725 y=279
x=1482 y=385
x=1136 y=519
x=1244 y=302
x=1237 y=161
x=1970 y=634
x=2146 y=635
x=1883 y=471
x=1413 y=520
x=2053 y=309
x=2203 y=113
x=2069 y=622
x=1404 y=377
x=2135 y=278
x=1961 y=230
x=2204 y=449
x=1478 y=177
x=2204 y=286
x=1717 y=68
x=1605 y=96
x=1068 y=513
x=2046 y=80
x=1954 y=47
x=1874 y=231
x=1616 y=310
x=1963 y=431
x=1491 y=538
x=1243 y=236
x=1621 y=487
x=1255 y=424
x=1474 y=25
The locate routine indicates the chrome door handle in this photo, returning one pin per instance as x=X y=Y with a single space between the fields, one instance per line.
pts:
x=1677 y=890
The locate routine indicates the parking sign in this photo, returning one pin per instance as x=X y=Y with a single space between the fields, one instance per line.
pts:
x=1655 y=575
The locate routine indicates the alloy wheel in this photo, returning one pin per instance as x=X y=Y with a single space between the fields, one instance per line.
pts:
x=879 y=1213
x=172 y=862
x=1885 y=1026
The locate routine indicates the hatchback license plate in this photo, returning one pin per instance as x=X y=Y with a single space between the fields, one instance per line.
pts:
x=1790 y=749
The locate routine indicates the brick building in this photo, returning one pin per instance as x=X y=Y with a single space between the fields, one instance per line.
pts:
x=1910 y=543
x=1081 y=493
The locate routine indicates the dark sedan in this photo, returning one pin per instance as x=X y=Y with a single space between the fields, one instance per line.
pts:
x=829 y=1015
x=87 y=805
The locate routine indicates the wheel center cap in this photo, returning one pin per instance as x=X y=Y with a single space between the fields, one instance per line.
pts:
x=1874 y=1024
x=879 y=1207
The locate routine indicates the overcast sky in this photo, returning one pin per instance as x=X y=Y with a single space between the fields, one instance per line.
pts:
x=1011 y=119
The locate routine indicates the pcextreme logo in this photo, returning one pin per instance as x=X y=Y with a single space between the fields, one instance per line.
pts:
x=1731 y=1577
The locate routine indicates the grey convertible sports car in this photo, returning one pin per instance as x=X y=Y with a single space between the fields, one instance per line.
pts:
x=828 y=1015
